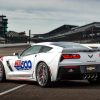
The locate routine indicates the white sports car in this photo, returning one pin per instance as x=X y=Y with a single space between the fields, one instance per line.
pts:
x=52 y=61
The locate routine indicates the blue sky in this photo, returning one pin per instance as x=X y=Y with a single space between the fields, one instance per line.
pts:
x=42 y=16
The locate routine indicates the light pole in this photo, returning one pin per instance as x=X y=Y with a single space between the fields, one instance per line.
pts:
x=29 y=36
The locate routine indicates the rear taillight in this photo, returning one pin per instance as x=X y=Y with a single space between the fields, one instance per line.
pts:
x=70 y=56
x=76 y=56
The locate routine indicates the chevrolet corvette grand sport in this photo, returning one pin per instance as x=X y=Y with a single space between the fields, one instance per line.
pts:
x=52 y=61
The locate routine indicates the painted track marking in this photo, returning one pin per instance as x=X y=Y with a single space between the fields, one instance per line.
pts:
x=13 y=89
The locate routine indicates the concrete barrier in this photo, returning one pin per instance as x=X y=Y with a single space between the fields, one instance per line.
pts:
x=14 y=45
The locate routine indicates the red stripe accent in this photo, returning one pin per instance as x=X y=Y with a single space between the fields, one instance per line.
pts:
x=71 y=66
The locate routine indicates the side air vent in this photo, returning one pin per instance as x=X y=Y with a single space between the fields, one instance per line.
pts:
x=9 y=66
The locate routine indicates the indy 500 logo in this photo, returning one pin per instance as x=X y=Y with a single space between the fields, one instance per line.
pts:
x=23 y=65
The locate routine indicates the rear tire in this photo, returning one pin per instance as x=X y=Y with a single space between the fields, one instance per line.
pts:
x=43 y=75
x=2 y=73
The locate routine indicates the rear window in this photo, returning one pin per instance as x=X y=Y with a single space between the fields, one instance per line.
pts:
x=75 y=47
x=45 y=49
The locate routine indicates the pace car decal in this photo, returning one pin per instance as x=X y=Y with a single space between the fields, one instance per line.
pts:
x=23 y=65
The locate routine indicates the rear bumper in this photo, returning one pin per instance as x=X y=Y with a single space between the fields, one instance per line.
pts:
x=78 y=73
x=67 y=74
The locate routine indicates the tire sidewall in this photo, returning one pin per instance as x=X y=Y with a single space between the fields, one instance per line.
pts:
x=3 y=78
x=48 y=75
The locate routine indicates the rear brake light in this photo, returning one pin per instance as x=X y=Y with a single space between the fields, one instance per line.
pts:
x=70 y=56
x=76 y=56
x=67 y=56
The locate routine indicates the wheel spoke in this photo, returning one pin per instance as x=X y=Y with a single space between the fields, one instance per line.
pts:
x=42 y=74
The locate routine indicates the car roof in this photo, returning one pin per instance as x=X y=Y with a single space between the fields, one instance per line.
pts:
x=55 y=43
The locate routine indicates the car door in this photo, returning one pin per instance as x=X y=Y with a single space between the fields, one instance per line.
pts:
x=25 y=64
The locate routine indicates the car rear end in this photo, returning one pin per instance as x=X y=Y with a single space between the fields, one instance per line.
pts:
x=79 y=63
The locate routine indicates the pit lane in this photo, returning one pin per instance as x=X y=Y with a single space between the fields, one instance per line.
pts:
x=67 y=90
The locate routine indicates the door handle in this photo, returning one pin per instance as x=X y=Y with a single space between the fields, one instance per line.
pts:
x=35 y=55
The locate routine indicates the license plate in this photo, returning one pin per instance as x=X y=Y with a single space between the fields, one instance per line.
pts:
x=90 y=69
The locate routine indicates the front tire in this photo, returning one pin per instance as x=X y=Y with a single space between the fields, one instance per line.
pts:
x=43 y=74
x=2 y=73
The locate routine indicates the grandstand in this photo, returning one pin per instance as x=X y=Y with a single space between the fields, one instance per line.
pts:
x=88 y=33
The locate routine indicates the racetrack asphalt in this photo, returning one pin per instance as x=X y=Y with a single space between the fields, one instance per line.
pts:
x=65 y=90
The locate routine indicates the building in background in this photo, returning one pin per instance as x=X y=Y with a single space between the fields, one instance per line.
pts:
x=10 y=36
x=51 y=36
x=3 y=25
x=89 y=33
x=16 y=37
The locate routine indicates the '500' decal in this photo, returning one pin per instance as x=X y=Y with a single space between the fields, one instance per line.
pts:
x=23 y=65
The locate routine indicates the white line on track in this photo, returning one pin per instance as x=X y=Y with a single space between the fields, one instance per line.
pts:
x=13 y=89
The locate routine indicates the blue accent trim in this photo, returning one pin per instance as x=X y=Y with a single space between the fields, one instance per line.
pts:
x=25 y=65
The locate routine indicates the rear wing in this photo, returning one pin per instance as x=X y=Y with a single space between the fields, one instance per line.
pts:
x=80 y=50
x=93 y=46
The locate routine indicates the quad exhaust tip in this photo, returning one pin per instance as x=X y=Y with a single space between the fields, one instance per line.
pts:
x=90 y=76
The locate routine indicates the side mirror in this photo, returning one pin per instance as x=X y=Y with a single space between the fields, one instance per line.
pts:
x=15 y=54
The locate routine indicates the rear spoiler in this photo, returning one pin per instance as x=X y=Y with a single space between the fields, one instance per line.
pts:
x=77 y=50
